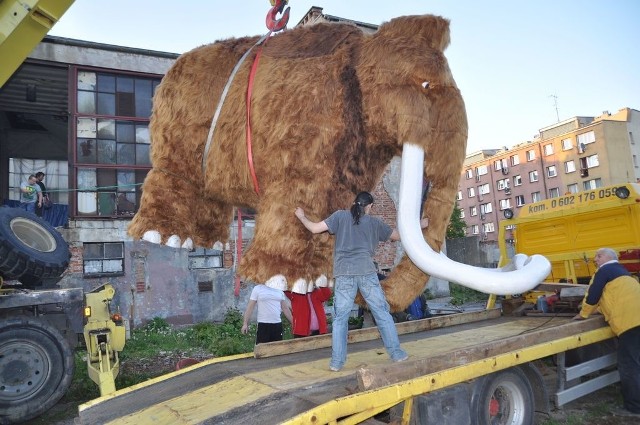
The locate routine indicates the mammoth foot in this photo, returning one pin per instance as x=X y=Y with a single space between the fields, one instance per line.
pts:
x=300 y=286
x=173 y=241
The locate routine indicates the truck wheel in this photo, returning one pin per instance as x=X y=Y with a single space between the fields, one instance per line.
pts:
x=30 y=248
x=36 y=368
x=503 y=398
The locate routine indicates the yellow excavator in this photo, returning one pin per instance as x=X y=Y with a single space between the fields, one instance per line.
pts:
x=39 y=328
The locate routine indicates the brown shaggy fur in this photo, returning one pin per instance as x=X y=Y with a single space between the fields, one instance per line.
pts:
x=331 y=106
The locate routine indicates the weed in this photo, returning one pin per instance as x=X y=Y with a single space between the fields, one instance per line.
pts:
x=462 y=295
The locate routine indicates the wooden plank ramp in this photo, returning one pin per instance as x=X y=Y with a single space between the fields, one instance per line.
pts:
x=269 y=388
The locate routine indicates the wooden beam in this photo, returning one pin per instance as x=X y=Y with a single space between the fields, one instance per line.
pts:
x=297 y=345
x=382 y=375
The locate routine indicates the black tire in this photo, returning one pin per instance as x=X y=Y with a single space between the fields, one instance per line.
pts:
x=30 y=248
x=503 y=398
x=36 y=368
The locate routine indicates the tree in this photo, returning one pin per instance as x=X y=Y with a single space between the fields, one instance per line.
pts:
x=456 y=227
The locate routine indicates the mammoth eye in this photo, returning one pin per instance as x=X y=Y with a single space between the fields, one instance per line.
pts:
x=425 y=85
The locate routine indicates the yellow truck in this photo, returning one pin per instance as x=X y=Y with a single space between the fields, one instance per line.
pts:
x=569 y=229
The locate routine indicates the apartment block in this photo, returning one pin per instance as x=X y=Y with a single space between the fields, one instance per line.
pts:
x=574 y=155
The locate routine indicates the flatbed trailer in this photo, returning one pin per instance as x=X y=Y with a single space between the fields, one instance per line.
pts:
x=457 y=355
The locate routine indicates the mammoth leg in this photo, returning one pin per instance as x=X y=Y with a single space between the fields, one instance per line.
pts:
x=280 y=247
x=208 y=220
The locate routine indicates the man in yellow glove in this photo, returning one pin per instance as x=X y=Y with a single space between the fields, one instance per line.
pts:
x=30 y=195
x=617 y=295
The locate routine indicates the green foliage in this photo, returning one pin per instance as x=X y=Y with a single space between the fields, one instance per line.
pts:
x=145 y=341
x=357 y=321
x=226 y=338
x=457 y=226
x=82 y=387
x=462 y=295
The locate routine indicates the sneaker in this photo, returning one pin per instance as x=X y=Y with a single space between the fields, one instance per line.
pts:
x=401 y=359
x=621 y=411
x=334 y=369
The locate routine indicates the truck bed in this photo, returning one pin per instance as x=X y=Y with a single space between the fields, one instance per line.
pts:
x=270 y=387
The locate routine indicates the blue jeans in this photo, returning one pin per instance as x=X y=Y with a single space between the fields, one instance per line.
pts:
x=344 y=294
x=28 y=206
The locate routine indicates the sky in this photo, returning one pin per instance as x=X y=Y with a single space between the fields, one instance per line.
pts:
x=521 y=65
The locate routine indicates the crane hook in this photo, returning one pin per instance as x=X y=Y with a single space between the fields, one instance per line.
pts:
x=274 y=24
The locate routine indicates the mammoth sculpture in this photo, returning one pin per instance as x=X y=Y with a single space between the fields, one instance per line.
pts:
x=330 y=107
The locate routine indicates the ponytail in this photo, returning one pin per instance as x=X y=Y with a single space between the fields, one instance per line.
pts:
x=357 y=209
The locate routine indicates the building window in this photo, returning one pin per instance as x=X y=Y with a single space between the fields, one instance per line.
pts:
x=517 y=180
x=471 y=192
x=469 y=174
x=202 y=258
x=592 y=161
x=535 y=197
x=111 y=142
x=586 y=138
x=551 y=171
x=569 y=167
x=481 y=170
x=462 y=213
x=592 y=184
x=567 y=144
x=484 y=189
x=488 y=227
x=635 y=160
x=505 y=203
x=572 y=188
x=103 y=259
x=631 y=138
x=459 y=195
x=531 y=155
x=554 y=192
x=486 y=208
x=515 y=160
x=503 y=184
x=533 y=176
x=548 y=149
x=56 y=177
x=473 y=211
x=497 y=165
x=475 y=229
x=519 y=200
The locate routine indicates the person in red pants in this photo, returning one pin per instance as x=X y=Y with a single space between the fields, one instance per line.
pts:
x=308 y=313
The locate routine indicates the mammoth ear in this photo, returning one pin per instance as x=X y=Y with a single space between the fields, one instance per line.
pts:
x=423 y=31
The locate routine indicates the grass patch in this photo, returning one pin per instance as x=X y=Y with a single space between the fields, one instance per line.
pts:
x=463 y=295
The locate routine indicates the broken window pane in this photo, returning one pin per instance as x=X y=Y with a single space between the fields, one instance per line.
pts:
x=126 y=153
x=86 y=102
x=86 y=127
x=86 y=152
x=106 y=151
x=86 y=80
x=106 y=129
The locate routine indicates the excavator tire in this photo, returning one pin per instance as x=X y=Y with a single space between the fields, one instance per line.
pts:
x=36 y=365
x=31 y=250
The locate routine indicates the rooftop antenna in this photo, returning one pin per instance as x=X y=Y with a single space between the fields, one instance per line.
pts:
x=555 y=105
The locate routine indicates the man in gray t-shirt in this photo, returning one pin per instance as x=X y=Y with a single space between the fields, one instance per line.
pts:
x=357 y=235
x=355 y=246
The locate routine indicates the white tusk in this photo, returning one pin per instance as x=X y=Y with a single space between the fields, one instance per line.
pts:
x=521 y=275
